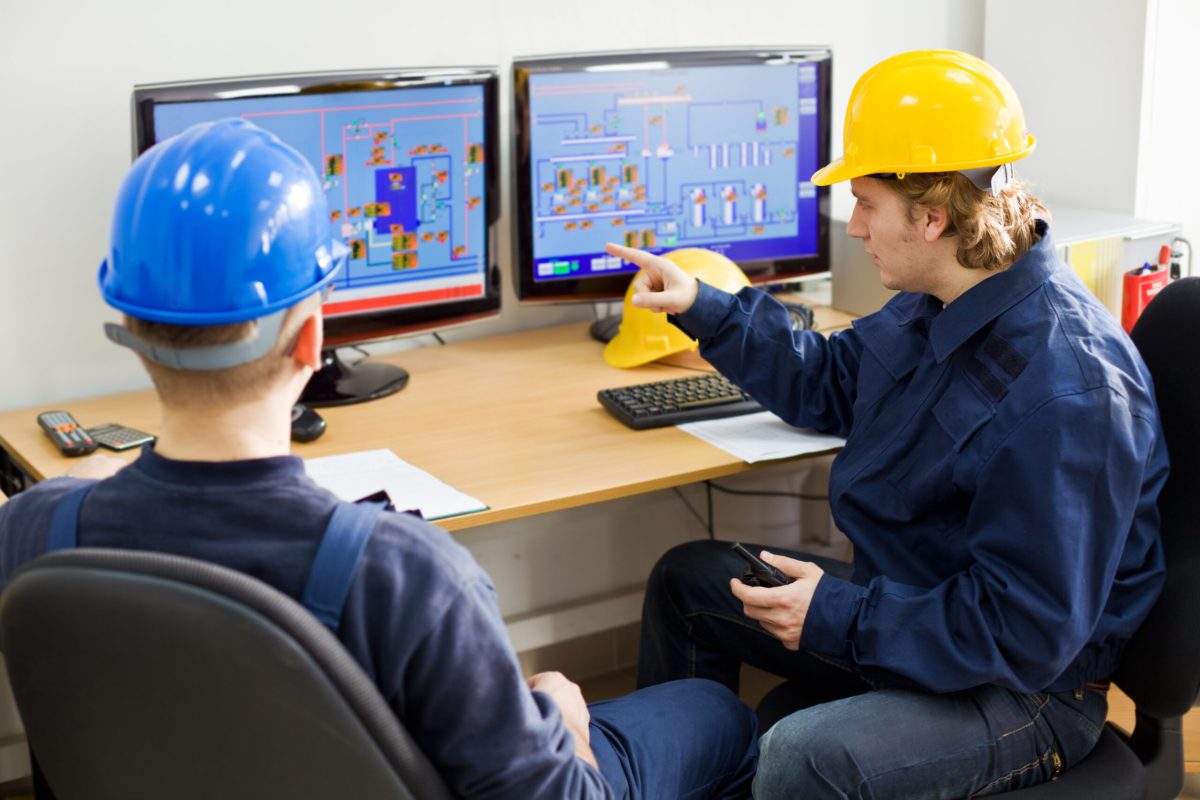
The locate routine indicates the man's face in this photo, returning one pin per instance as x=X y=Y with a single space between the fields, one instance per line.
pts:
x=895 y=243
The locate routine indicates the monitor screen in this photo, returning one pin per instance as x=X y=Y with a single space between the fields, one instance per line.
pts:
x=697 y=148
x=408 y=162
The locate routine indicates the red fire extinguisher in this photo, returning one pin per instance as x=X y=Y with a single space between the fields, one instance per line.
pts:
x=1141 y=285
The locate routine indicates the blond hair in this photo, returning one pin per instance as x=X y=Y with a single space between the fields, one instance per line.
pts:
x=993 y=230
x=181 y=387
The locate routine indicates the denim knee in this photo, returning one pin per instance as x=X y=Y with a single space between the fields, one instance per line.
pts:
x=730 y=734
x=721 y=703
x=800 y=757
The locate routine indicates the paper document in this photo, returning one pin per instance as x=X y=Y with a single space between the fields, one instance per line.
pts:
x=356 y=475
x=761 y=437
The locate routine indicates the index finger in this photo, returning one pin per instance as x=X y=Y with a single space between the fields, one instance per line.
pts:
x=757 y=596
x=632 y=254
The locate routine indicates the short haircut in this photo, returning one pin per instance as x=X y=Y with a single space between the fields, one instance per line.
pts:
x=993 y=230
x=182 y=387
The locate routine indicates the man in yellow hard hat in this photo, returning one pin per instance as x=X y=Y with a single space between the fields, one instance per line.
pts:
x=999 y=479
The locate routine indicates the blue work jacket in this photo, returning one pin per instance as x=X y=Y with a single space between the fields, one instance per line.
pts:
x=999 y=480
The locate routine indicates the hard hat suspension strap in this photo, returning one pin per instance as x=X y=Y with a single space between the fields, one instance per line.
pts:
x=204 y=359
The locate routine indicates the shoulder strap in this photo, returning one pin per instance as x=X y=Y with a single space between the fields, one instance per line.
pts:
x=64 y=525
x=337 y=559
x=332 y=571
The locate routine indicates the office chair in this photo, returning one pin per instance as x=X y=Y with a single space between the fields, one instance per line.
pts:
x=144 y=675
x=1160 y=667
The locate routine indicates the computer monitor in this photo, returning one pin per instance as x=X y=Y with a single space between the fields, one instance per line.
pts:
x=408 y=161
x=661 y=150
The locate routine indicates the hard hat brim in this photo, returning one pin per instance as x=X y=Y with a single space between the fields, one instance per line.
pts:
x=834 y=172
x=220 y=316
x=619 y=353
x=838 y=170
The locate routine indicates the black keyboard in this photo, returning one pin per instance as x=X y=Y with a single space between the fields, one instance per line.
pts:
x=670 y=402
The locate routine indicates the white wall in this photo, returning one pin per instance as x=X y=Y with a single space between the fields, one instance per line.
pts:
x=1168 y=156
x=68 y=67
x=1077 y=67
x=1109 y=89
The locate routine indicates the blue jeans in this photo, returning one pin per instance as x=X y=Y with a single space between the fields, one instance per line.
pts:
x=854 y=735
x=684 y=739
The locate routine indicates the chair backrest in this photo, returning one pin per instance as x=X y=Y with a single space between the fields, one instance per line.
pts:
x=144 y=675
x=1160 y=669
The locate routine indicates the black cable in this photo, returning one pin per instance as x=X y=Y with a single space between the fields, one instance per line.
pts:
x=708 y=494
x=760 y=493
x=707 y=524
x=438 y=337
x=1189 y=252
x=709 y=486
x=355 y=347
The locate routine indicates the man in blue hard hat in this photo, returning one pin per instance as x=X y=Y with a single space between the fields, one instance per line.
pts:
x=220 y=253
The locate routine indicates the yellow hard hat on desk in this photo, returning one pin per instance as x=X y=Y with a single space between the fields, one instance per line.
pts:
x=929 y=111
x=646 y=335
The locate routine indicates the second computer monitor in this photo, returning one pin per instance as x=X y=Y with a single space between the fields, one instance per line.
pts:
x=696 y=148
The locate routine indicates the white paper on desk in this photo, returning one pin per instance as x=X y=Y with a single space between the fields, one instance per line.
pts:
x=356 y=475
x=760 y=437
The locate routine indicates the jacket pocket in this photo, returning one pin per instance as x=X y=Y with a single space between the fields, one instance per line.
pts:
x=925 y=479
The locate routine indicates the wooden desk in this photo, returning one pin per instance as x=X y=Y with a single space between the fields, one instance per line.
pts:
x=511 y=420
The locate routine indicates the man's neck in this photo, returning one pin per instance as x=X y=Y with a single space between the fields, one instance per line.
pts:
x=961 y=281
x=948 y=279
x=257 y=429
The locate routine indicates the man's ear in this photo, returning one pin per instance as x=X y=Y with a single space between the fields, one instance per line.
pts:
x=934 y=222
x=307 y=351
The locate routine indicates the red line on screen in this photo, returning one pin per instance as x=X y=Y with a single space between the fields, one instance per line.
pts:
x=399 y=300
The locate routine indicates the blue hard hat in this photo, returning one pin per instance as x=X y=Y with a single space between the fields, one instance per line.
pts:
x=222 y=223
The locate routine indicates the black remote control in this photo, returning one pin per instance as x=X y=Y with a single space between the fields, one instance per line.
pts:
x=67 y=434
x=759 y=572
x=306 y=423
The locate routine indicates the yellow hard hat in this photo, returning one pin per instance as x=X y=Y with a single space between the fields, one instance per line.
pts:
x=929 y=111
x=645 y=335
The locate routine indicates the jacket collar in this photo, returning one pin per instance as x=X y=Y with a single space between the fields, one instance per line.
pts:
x=907 y=312
x=991 y=297
x=216 y=473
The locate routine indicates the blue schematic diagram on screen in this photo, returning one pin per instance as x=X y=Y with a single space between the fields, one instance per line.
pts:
x=715 y=157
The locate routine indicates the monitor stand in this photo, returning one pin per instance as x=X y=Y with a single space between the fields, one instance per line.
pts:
x=338 y=383
x=603 y=330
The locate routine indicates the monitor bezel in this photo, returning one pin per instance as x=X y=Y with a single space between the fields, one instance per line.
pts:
x=393 y=322
x=593 y=289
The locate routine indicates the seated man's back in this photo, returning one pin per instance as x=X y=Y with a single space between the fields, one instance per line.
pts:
x=221 y=252
x=421 y=616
